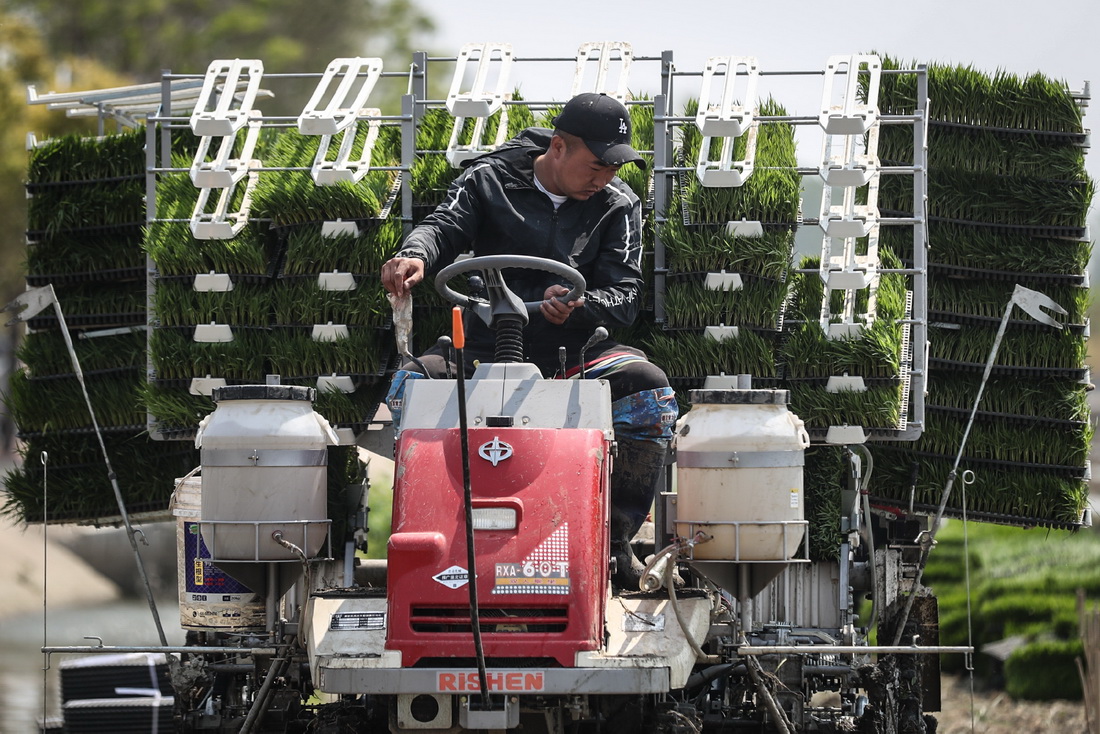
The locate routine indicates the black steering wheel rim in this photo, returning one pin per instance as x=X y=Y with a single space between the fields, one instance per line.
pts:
x=493 y=264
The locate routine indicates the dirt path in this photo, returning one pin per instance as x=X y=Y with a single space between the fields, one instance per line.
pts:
x=996 y=713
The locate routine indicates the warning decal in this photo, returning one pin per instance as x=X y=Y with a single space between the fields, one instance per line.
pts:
x=544 y=571
x=453 y=577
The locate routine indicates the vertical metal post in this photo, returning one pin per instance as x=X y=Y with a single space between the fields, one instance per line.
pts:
x=165 y=112
x=661 y=156
x=919 y=342
x=408 y=157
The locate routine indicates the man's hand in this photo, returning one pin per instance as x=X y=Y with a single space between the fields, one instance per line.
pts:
x=554 y=310
x=400 y=274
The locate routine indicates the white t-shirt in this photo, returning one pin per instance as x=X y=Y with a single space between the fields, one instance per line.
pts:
x=558 y=199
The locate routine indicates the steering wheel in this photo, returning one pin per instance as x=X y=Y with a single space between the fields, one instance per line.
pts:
x=501 y=299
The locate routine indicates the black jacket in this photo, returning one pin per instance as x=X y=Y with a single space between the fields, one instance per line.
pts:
x=494 y=208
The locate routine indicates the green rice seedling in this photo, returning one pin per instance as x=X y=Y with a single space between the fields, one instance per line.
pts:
x=1008 y=442
x=77 y=158
x=175 y=408
x=967 y=96
x=350 y=409
x=176 y=356
x=697 y=355
x=984 y=151
x=979 y=297
x=757 y=303
x=1034 y=348
x=293 y=197
x=1041 y=496
x=67 y=253
x=979 y=197
x=175 y=251
x=57 y=210
x=44 y=352
x=79 y=488
x=294 y=353
x=177 y=303
x=301 y=301
x=977 y=247
x=877 y=407
x=808 y=352
x=823 y=480
x=771 y=194
x=307 y=252
x=695 y=249
x=59 y=404
x=1058 y=398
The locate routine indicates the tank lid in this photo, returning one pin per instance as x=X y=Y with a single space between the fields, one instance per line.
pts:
x=264 y=392
x=741 y=397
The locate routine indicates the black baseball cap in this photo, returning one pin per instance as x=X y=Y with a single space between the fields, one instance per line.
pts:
x=603 y=123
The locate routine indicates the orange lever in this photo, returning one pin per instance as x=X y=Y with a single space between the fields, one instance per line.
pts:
x=458 y=337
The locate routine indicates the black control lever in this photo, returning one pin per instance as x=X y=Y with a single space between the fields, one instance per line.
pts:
x=444 y=344
x=597 y=336
x=561 y=361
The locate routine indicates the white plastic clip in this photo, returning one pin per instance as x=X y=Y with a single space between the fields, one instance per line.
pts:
x=205 y=385
x=847 y=115
x=212 y=282
x=845 y=383
x=224 y=171
x=604 y=52
x=341 y=109
x=724 y=171
x=336 y=281
x=344 y=168
x=329 y=332
x=732 y=114
x=213 y=332
x=723 y=281
x=221 y=224
x=458 y=153
x=328 y=383
x=718 y=333
x=220 y=109
x=478 y=101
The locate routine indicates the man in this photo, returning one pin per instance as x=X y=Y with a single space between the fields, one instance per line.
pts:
x=554 y=194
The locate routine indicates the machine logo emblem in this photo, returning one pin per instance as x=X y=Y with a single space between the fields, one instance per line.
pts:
x=495 y=451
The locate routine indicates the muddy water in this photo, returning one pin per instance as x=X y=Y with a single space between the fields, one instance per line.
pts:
x=23 y=684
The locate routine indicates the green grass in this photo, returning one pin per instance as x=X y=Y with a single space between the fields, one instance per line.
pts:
x=1023 y=582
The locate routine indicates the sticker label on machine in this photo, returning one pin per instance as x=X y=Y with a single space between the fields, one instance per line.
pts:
x=357 y=621
x=453 y=577
x=467 y=681
x=544 y=571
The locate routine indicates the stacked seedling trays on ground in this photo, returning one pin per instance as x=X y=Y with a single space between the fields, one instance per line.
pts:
x=727 y=252
x=1008 y=198
x=85 y=215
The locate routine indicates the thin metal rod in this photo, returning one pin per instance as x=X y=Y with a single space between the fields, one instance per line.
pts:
x=110 y=470
x=852 y=649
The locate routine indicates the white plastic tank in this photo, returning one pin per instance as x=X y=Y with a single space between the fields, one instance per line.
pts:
x=209 y=598
x=265 y=471
x=739 y=459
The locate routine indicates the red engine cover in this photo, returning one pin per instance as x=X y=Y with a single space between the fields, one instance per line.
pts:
x=541 y=586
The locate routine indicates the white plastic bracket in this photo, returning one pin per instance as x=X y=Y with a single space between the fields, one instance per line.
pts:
x=220 y=110
x=343 y=168
x=213 y=332
x=212 y=282
x=224 y=171
x=839 y=435
x=336 y=281
x=221 y=224
x=205 y=385
x=340 y=228
x=745 y=228
x=457 y=154
x=724 y=171
x=720 y=332
x=604 y=52
x=846 y=115
x=844 y=331
x=328 y=383
x=845 y=383
x=341 y=109
x=732 y=114
x=329 y=332
x=477 y=101
x=844 y=165
x=723 y=281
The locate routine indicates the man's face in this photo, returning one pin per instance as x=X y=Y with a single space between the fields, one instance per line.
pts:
x=579 y=173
